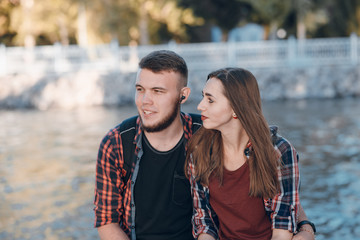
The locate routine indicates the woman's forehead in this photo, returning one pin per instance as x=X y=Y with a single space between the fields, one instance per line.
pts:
x=214 y=86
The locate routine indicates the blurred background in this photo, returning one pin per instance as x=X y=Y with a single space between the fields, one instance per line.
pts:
x=67 y=74
x=83 y=22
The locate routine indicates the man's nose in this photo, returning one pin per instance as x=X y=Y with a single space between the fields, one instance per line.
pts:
x=147 y=99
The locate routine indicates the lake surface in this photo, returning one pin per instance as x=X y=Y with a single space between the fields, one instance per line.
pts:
x=47 y=166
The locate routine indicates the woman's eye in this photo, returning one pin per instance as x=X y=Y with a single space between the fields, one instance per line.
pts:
x=210 y=100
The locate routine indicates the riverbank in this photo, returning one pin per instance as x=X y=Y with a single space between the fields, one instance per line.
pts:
x=89 y=88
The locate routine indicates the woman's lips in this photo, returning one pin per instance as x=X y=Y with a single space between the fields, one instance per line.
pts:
x=203 y=117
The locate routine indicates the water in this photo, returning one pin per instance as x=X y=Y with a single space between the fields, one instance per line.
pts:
x=47 y=165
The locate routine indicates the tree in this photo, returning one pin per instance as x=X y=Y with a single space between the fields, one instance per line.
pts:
x=225 y=14
x=163 y=20
x=7 y=34
x=270 y=14
x=343 y=18
x=140 y=21
x=44 y=22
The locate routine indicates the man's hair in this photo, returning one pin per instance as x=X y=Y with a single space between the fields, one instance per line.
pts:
x=165 y=60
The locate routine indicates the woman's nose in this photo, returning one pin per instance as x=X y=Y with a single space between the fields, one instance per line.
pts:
x=200 y=106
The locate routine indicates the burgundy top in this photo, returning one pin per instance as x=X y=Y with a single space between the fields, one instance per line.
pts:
x=240 y=216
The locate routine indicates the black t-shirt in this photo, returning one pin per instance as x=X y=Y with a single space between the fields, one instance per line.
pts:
x=162 y=195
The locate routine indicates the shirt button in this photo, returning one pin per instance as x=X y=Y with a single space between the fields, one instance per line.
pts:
x=132 y=205
x=132 y=227
x=132 y=182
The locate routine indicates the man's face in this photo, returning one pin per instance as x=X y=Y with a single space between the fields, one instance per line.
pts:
x=157 y=99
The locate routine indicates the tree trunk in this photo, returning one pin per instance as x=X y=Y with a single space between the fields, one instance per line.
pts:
x=143 y=26
x=63 y=31
x=224 y=35
x=300 y=29
x=82 y=37
x=29 y=40
x=357 y=17
x=272 y=31
x=266 y=31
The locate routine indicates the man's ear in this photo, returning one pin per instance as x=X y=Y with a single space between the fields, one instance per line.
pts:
x=184 y=94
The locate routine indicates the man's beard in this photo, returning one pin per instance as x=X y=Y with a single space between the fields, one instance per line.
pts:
x=166 y=121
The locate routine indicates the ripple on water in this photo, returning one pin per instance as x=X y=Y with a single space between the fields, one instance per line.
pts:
x=47 y=166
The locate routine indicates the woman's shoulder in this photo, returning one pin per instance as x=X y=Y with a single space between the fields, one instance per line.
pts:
x=279 y=142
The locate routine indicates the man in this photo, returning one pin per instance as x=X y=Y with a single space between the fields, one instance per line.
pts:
x=148 y=197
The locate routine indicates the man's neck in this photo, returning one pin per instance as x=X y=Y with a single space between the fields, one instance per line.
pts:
x=166 y=139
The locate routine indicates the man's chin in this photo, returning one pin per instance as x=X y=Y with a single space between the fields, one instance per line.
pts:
x=149 y=127
x=156 y=127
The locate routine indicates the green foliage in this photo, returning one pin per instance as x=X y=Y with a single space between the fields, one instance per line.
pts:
x=343 y=18
x=159 y=21
x=6 y=33
x=225 y=14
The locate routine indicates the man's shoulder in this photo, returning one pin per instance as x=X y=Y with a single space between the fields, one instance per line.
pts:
x=127 y=124
x=284 y=147
x=194 y=117
x=124 y=127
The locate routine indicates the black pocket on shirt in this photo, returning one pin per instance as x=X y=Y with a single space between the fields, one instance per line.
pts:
x=181 y=190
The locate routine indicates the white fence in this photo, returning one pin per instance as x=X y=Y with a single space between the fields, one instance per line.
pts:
x=112 y=57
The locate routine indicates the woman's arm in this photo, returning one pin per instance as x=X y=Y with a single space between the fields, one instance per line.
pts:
x=202 y=221
x=284 y=206
x=306 y=232
x=280 y=234
x=205 y=236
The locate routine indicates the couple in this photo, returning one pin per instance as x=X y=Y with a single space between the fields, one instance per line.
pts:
x=235 y=178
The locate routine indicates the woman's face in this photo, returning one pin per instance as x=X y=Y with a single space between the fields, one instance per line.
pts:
x=215 y=108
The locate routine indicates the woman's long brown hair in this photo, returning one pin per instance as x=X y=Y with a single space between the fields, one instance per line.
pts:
x=206 y=146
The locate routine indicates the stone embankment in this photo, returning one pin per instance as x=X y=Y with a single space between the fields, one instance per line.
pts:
x=92 y=88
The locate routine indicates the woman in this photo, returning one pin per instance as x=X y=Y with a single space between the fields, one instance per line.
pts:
x=244 y=177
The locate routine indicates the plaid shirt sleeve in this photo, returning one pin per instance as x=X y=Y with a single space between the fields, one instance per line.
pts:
x=108 y=197
x=283 y=207
x=202 y=219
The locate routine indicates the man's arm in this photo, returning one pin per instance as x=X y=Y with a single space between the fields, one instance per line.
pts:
x=109 y=185
x=112 y=231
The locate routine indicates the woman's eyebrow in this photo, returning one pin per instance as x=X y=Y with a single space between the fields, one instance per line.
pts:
x=207 y=94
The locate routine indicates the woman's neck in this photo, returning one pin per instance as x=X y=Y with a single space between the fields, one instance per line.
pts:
x=234 y=143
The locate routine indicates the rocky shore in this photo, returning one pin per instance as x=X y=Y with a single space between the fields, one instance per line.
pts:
x=87 y=88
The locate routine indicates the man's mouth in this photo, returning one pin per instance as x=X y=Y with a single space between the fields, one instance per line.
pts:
x=147 y=112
